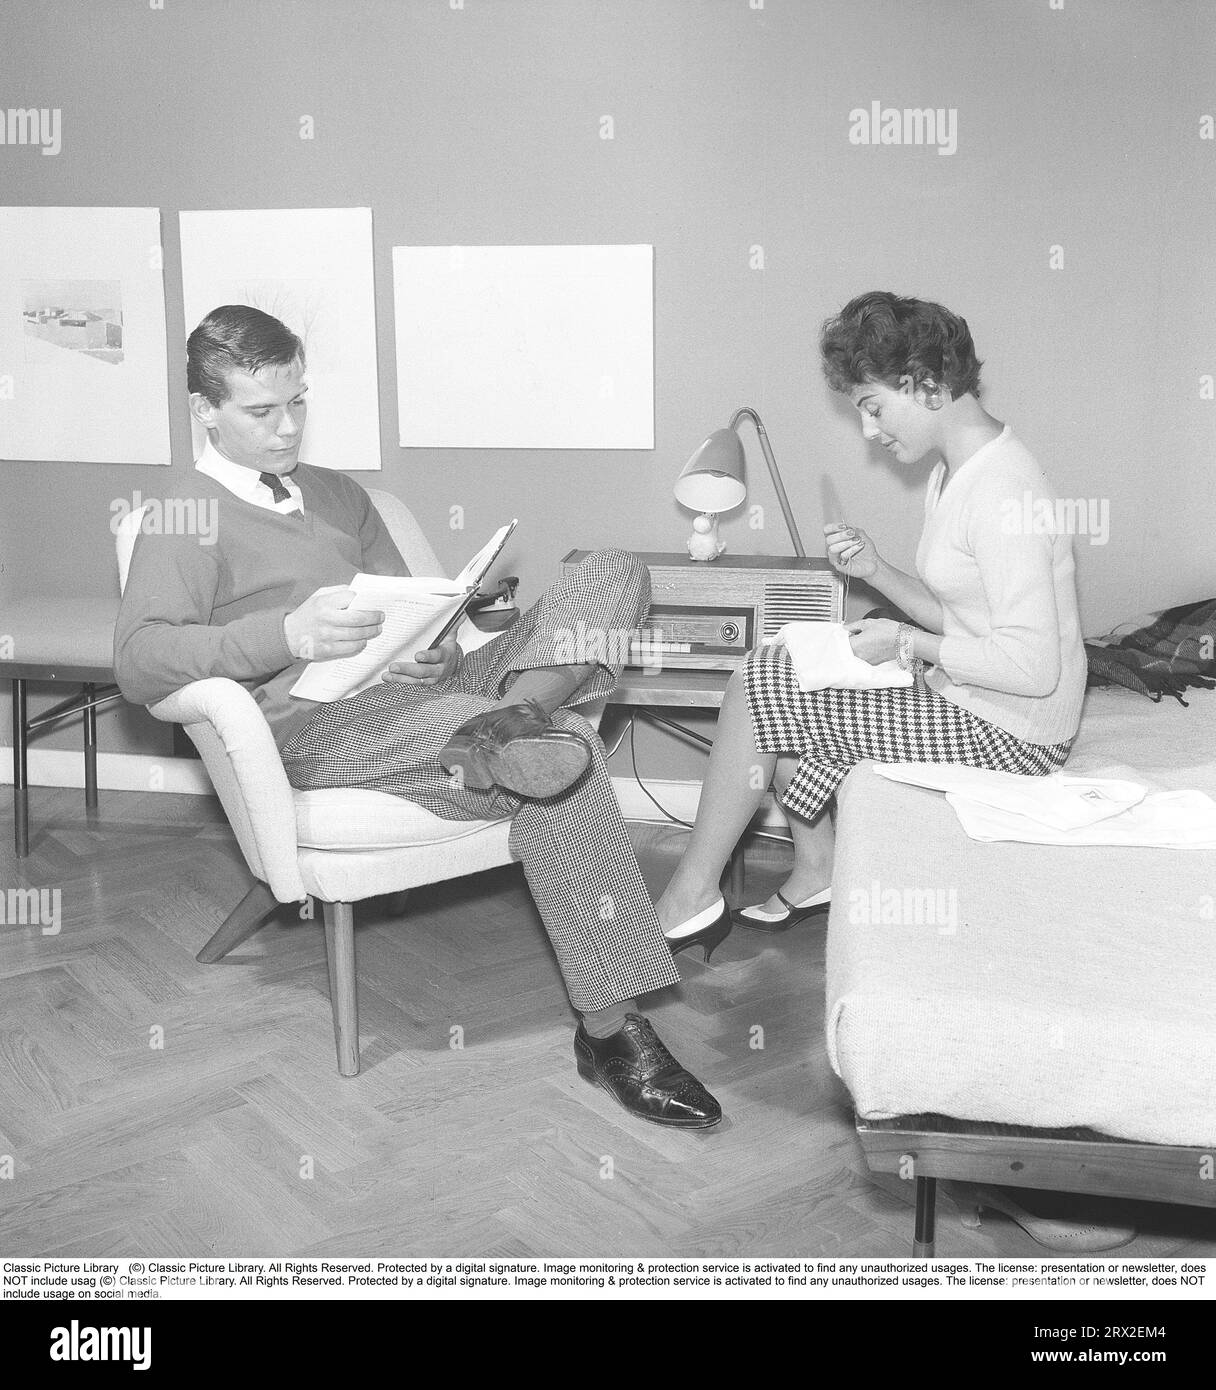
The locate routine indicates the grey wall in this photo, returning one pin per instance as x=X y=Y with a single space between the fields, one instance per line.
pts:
x=1077 y=127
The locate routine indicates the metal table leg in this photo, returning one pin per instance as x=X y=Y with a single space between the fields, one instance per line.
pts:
x=21 y=795
x=90 y=751
x=923 y=1241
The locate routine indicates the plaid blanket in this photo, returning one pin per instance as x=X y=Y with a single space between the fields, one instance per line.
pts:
x=1176 y=651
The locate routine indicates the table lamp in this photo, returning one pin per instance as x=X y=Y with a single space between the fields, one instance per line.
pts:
x=711 y=482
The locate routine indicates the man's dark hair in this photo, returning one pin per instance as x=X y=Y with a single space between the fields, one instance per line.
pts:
x=236 y=337
x=899 y=341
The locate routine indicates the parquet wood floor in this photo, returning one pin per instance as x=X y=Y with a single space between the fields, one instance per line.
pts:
x=238 y=1137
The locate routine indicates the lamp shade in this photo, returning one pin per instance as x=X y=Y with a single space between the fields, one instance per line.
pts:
x=712 y=480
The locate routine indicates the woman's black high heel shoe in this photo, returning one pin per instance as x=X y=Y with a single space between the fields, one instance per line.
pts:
x=710 y=936
x=794 y=913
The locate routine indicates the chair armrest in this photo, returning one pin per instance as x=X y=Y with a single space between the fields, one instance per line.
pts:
x=227 y=727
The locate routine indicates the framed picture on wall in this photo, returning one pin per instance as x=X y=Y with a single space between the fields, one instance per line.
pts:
x=83 y=374
x=313 y=270
x=525 y=347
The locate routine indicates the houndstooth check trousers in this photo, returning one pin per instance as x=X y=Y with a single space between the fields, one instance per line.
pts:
x=575 y=850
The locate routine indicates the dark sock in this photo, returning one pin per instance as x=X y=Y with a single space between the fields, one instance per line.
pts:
x=549 y=686
x=602 y=1023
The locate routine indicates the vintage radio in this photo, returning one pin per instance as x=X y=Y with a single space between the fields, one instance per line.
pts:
x=707 y=615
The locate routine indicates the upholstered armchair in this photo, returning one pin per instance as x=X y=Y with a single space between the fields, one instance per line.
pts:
x=339 y=846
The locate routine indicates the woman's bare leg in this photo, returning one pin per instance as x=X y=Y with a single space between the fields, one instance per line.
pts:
x=814 y=844
x=735 y=781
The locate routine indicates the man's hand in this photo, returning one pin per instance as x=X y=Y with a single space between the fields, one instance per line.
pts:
x=431 y=667
x=326 y=626
x=874 y=639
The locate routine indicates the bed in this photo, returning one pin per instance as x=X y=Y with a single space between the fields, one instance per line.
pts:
x=1029 y=1015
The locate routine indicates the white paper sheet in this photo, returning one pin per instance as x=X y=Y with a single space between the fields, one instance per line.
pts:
x=414 y=610
x=525 y=347
x=83 y=369
x=311 y=268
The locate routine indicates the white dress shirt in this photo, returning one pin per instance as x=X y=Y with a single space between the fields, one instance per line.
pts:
x=245 y=482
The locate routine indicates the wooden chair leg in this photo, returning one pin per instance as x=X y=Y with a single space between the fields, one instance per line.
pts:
x=397 y=904
x=343 y=988
x=924 y=1239
x=240 y=924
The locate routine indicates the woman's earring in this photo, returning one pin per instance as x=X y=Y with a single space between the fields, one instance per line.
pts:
x=931 y=395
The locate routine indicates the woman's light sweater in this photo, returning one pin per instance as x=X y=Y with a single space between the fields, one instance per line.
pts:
x=995 y=556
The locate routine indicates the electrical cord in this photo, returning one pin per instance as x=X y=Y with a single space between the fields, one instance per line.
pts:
x=608 y=752
x=675 y=820
x=637 y=777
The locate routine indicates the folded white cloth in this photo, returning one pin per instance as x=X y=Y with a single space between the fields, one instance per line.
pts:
x=1063 y=810
x=1163 y=820
x=1058 y=801
x=823 y=658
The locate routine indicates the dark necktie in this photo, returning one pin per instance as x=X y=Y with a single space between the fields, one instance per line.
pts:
x=279 y=492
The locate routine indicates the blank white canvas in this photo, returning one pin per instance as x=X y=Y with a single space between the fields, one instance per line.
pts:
x=311 y=268
x=525 y=347
x=64 y=396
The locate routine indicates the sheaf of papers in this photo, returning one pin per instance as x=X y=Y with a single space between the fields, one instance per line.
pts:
x=415 y=611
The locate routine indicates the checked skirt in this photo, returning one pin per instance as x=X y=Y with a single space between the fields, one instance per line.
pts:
x=574 y=847
x=834 y=730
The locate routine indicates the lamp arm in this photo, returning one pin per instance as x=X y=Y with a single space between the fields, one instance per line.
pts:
x=772 y=468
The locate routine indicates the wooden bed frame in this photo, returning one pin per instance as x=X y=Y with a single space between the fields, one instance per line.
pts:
x=929 y=1147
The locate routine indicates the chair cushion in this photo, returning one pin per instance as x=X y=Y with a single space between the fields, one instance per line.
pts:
x=352 y=818
x=61 y=631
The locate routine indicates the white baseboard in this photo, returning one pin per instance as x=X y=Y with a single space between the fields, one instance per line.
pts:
x=117 y=772
x=137 y=772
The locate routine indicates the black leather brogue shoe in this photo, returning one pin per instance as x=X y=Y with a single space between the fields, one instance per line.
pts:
x=635 y=1066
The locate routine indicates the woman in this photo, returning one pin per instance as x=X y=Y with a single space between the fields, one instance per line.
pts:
x=994 y=636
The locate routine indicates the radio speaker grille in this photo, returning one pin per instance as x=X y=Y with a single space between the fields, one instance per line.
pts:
x=816 y=601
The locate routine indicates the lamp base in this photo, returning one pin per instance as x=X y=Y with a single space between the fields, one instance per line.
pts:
x=705 y=543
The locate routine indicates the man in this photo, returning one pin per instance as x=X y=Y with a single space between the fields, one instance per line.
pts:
x=473 y=736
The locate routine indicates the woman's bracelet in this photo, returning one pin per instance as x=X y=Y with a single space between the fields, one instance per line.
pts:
x=907 y=636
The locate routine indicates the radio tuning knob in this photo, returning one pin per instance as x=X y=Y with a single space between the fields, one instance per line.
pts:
x=730 y=632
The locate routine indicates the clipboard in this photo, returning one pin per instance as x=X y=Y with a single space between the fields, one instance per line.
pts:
x=475 y=589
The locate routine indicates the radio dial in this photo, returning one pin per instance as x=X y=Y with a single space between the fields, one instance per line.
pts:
x=730 y=632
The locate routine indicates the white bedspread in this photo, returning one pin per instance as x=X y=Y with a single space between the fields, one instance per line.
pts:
x=1028 y=984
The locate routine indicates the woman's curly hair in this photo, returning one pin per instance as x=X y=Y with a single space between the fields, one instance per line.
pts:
x=899 y=341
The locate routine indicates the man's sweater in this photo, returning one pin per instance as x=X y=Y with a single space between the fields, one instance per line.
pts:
x=1011 y=649
x=192 y=610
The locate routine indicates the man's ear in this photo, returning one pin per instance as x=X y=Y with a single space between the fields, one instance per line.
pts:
x=202 y=410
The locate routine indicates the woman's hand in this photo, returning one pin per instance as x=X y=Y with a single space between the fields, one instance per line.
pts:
x=874 y=639
x=850 y=550
x=431 y=667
